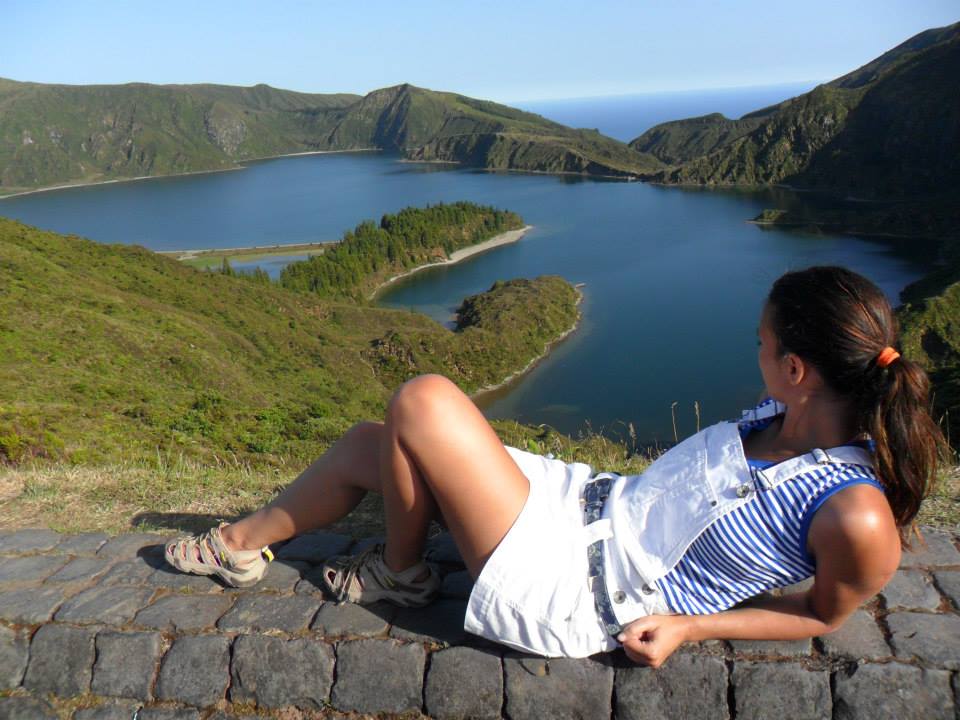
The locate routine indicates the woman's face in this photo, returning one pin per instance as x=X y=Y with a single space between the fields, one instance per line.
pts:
x=769 y=356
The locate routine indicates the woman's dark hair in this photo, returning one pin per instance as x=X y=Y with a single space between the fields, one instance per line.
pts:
x=840 y=322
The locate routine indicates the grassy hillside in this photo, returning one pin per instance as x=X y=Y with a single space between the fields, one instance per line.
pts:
x=112 y=353
x=55 y=134
x=887 y=131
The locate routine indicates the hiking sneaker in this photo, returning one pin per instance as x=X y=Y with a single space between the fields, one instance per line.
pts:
x=208 y=554
x=365 y=579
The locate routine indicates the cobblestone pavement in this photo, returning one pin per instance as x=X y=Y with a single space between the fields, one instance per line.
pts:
x=97 y=628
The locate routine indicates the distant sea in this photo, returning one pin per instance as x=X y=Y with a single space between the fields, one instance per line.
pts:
x=626 y=117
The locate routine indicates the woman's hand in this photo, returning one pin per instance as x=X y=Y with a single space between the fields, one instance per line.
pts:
x=652 y=639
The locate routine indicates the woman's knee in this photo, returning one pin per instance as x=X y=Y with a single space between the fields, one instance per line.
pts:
x=425 y=399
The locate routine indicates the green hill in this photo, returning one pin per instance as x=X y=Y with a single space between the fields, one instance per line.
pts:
x=113 y=353
x=888 y=131
x=57 y=134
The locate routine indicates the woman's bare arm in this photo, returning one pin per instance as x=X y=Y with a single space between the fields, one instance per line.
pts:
x=857 y=550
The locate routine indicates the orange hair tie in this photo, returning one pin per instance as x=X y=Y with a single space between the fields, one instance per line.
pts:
x=887 y=356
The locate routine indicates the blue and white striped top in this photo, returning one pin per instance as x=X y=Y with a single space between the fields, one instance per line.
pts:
x=762 y=544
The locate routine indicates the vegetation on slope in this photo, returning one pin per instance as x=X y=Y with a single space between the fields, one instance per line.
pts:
x=112 y=353
x=370 y=254
x=52 y=134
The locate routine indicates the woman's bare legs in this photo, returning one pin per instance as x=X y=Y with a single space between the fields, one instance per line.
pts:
x=435 y=451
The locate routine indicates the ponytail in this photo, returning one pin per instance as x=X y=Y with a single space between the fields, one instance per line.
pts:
x=841 y=323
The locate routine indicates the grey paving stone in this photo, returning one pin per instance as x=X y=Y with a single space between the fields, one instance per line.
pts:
x=184 y=612
x=911 y=589
x=780 y=690
x=133 y=545
x=353 y=620
x=311 y=584
x=940 y=551
x=122 y=710
x=25 y=708
x=195 y=670
x=13 y=657
x=776 y=648
x=859 y=637
x=108 y=605
x=80 y=570
x=169 y=577
x=442 y=549
x=686 y=686
x=305 y=679
x=440 y=622
x=256 y=613
x=168 y=714
x=283 y=575
x=29 y=540
x=61 y=660
x=128 y=572
x=378 y=676
x=126 y=663
x=31 y=568
x=557 y=688
x=314 y=548
x=457 y=584
x=28 y=606
x=892 y=692
x=82 y=543
x=931 y=638
x=949 y=582
x=464 y=682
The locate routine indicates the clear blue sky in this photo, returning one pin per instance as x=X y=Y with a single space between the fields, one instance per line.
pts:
x=501 y=50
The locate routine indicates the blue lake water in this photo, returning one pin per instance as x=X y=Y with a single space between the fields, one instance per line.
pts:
x=674 y=279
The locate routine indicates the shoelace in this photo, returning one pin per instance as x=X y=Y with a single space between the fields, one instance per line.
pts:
x=351 y=570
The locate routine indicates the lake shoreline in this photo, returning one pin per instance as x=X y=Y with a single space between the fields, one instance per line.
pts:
x=506 y=238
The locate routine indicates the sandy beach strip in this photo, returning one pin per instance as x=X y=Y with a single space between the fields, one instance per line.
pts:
x=456 y=256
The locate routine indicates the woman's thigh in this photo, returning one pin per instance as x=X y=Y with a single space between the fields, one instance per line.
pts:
x=478 y=487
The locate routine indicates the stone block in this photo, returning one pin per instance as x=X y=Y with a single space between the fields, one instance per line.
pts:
x=938 y=551
x=911 y=589
x=184 y=612
x=773 y=648
x=25 y=708
x=378 y=676
x=61 y=661
x=314 y=548
x=29 y=540
x=352 y=620
x=13 y=657
x=780 y=690
x=458 y=585
x=80 y=570
x=440 y=623
x=82 y=543
x=28 y=606
x=892 y=692
x=123 y=710
x=126 y=664
x=305 y=679
x=686 y=686
x=169 y=714
x=312 y=584
x=859 y=637
x=949 y=582
x=195 y=670
x=283 y=576
x=257 y=613
x=32 y=568
x=133 y=545
x=933 y=639
x=464 y=682
x=107 y=605
x=557 y=688
x=128 y=572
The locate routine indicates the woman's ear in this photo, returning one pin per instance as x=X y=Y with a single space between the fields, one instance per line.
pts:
x=795 y=369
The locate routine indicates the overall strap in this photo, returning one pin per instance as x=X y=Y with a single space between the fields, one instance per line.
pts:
x=842 y=455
